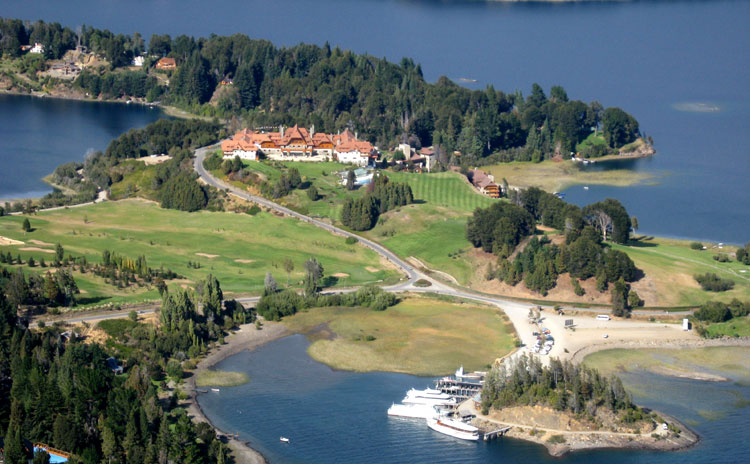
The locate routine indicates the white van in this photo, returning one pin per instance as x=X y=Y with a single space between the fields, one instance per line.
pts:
x=602 y=317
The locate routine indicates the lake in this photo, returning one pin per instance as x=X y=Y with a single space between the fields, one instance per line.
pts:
x=681 y=67
x=38 y=134
x=336 y=416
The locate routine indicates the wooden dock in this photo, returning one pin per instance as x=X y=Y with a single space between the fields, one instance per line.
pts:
x=495 y=433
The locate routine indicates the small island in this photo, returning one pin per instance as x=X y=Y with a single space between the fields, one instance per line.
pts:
x=568 y=407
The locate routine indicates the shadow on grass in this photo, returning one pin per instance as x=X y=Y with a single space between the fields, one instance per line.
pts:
x=86 y=300
x=642 y=242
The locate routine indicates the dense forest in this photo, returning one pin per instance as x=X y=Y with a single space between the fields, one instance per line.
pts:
x=501 y=227
x=561 y=385
x=334 y=89
x=61 y=391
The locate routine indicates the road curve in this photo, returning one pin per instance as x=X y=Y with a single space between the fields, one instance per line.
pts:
x=209 y=179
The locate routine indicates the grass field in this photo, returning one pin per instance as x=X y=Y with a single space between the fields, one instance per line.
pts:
x=737 y=327
x=432 y=229
x=237 y=248
x=670 y=265
x=729 y=361
x=554 y=177
x=421 y=336
x=214 y=378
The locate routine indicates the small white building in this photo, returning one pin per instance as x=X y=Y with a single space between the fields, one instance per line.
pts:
x=37 y=48
x=138 y=61
x=686 y=324
x=353 y=156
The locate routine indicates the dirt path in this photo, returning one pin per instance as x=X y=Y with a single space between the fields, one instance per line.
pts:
x=246 y=338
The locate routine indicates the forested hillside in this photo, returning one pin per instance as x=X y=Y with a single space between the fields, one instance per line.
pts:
x=334 y=89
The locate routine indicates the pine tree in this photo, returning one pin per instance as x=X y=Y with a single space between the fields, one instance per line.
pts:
x=26 y=225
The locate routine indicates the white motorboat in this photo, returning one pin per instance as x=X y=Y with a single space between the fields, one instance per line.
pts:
x=215 y=390
x=453 y=428
x=284 y=439
x=428 y=396
x=418 y=411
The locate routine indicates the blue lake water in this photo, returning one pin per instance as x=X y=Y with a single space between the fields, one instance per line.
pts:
x=334 y=416
x=649 y=57
x=38 y=134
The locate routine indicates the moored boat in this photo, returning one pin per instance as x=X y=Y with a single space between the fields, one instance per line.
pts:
x=417 y=411
x=453 y=428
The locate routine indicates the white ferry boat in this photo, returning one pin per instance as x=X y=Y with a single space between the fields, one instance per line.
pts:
x=453 y=428
x=428 y=396
x=418 y=411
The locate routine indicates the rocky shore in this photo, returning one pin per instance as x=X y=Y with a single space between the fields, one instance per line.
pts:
x=572 y=436
x=246 y=338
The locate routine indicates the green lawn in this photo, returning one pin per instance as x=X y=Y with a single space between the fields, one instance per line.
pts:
x=671 y=264
x=737 y=327
x=432 y=229
x=590 y=141
x=421 y=336
x=238 y=248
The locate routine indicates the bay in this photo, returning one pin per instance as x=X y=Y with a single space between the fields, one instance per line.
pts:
x=335 y=416
x=38 y=134
x=681 y=67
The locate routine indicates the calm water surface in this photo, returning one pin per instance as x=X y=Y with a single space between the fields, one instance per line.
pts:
x=38 y=134
x=333 y=416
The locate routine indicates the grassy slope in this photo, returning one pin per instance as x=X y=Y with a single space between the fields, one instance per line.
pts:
x=671 y=264
x=552 y=176
x=738 y=327
x=733 y=361
x=419 y=336
x=172 y=238
x=432 y=230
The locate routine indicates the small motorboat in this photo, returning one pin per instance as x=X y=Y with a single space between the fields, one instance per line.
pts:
x=585 y=187
x=215 y=390
x=284 y=439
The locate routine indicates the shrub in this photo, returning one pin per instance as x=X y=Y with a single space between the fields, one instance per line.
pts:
x=555 y=439
x=422 y=283
x=713 y=283
x=721 y=257
x=696 y=246
x=351 y=240
x=253 y=210
x=713 y=311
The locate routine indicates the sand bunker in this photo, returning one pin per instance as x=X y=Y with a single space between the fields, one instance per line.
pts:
x=340 y=274
x=372 y=269
x=5 y=241
x=244 y=261
x=206 y=255
x=36 y=249
x=41 y=243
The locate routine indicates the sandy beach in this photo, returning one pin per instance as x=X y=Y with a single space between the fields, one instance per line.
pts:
x=246 y=338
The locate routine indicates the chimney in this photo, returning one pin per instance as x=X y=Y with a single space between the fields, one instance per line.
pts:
x=281 y=131
x=356 y=135
x=312 y=130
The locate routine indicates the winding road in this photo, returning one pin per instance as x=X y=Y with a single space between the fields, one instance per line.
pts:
x=517 y=311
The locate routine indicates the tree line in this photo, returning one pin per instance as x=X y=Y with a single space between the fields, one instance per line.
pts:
x=502 y=226
x=64 y=392
x=385 y=102
x=381 y=196
x=562 y=385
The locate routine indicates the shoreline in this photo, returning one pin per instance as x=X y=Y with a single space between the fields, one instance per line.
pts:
x=246 y=338
x=579 y=355
x=579 y=440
